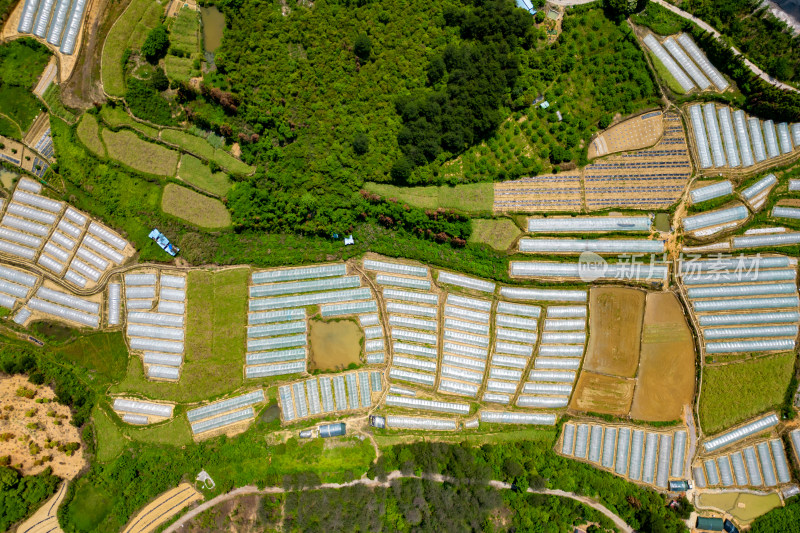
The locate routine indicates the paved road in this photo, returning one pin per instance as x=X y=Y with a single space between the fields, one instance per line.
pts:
x=763 y=75
x=500 y=485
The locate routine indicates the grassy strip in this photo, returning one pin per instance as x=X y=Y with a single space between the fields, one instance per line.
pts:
x=666 y=75
x=129 y=32
x=10 y=129
x=116 y=117
x=470 y=198
x=734 y=392
x=52 y=97
x=200 y=147
x=197 y=173
x=195 y=208
x=127 y=148
x=89 y=133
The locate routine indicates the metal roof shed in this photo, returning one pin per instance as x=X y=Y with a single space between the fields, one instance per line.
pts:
x=332 y=430
x=709 y=524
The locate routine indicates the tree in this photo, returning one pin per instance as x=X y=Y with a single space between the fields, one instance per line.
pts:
x=621 y=9
x=156 y=45
x=159 y=80
x=360 y=143
x=362 y=46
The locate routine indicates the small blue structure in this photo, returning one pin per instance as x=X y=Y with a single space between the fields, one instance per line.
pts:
x=306 y=434
x=332 y=430
x=377 y=421
x=527 y=6
x=164 y=243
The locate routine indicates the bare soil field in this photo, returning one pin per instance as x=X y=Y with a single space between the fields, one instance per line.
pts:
x=596 y=393
x=635 y=133
x=666 y=368
x=31 y=433
x=334 y=345
x=615 y=325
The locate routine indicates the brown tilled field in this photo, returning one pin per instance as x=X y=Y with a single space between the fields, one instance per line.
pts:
x=633 y=134
x=666 y=370
x=615 y=325
x=597 y=393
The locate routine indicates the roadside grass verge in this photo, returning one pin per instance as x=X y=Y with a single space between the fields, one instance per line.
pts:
x=127 y=148
x=195 y=208
x=197 y=173
x=500 y=234
x=468 y=198
x=89 y=134
x=129 y=32
x=215 y=341
x=116 y=117
x=110 y=440
x=200 y=147
x=734 y=392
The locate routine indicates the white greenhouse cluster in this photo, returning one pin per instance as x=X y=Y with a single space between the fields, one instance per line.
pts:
x=589 y=224
x=761 y=465
x=681 y=56
x=277 y=331
x=224 y=413
x=15 y=287
x=743 y=305
x=638 y=270
x=329 y=394
x=726 y=138
x=58 y=21
x=156 y=320
x=711 y=222
x=639 y=455
x=466 y=345
x=599 y=246
x=138 y=412
x=66 y=307
x=61 y=240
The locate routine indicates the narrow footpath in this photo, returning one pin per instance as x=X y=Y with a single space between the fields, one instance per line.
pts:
x=438 y=478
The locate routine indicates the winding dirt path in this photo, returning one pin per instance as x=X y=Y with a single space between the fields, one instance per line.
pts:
x=438 y=478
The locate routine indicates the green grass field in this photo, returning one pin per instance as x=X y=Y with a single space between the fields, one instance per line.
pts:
x=734 y=392
x=500 y=234
x=89 y=133
x=19 y=105
x=176 y=432
x=180 y=68
x=127 y=148
x=201 y=148
x=9 y=128
x=129 y=32
x=52 y=97
x=110 y=440
x=104 y=353
x=197 y=173
x=90 y=507
x=184 y=39
x=470 y=198
x=116 y=117
x=215 y=341
x=194 y=208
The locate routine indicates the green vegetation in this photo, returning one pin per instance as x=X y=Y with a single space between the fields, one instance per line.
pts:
x=105 y=353
x=127 y=148
x=116 y=117
x=660 y=19
x=129 y=32
x=197 y=173
x=215 y=341
x=766 y=40
x=52 y=97
x=734 y=392
x=666 y=75
x=110 y=441
x=472 y=198
x=156 y=44
x=782 y=519
x=184 y=55
x=202 y=148
x=500 y=234
x=194 y=208
x=89 y=133
x=22 y=495
x=532 y=463
x=145 y=102
x=21 y=63
x=10 y=129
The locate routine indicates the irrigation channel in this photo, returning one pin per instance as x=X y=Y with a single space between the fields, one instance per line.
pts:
x=438 y=478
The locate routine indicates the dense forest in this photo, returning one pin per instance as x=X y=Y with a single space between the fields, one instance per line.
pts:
x=764 y=38
x=22 y=495
x=779 y=520
x=419 y=505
